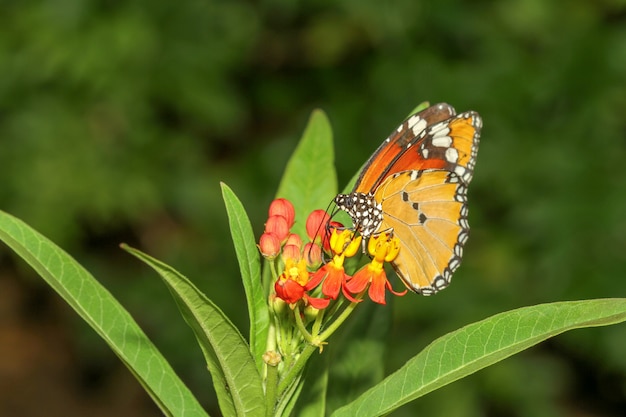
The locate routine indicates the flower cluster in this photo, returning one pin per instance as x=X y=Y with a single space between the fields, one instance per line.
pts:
x=302 y=270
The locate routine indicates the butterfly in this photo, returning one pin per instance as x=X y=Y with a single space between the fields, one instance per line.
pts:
x=415 y=187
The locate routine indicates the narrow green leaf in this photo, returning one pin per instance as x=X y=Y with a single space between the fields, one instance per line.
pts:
x=363 y=335
x=310 y=181
x=315 y=393
x=104 y=314
x=286 y=404
x=250 y=267
x=478 y=345
x=235 y=376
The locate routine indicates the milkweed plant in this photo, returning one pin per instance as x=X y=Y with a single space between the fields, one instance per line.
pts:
x=303 y=279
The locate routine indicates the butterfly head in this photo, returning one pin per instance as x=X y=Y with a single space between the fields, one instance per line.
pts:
x=365 y=211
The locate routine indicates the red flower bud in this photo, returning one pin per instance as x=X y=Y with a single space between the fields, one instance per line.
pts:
x=295 y=240
x=269 y=245
x=316 y=224
x=291 y=252
x=277 y=225
x=283 y=207
x=312 y=255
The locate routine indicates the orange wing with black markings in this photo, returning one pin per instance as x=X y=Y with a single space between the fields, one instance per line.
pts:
x=427 y=211
x=415 y=185
x=384 y=160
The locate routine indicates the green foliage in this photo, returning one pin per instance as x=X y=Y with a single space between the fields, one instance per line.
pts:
x=250 y=267
x=310 y=177
x=104 y=314
x=118 y=121
x=473 y=347
x=245 y=382
x=235 y=377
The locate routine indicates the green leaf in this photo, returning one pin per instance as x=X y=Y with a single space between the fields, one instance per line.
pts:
x=235 y=377
x=287 y=403
x=310 y=181
x=315 y=393
x=104 y=314
x=250 y=267
x=363 y=335
x=478 y=345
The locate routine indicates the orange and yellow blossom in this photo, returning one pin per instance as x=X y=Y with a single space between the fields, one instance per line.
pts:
x=342 y=244
x=291 y=285
x=384 y=248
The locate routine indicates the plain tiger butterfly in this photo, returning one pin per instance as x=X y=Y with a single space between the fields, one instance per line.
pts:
x=415 y=186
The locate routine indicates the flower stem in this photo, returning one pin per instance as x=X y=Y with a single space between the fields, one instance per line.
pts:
x=296 y=369
x=328 y=331
x=305 y=333
x=317 y=325
x=271 y=390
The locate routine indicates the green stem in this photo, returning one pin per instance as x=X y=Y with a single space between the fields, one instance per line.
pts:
x=313 y=344
x=305 y=333
x=287 y=396
x=339 y=320
x=271 y=334
x=317 y=324
x=296 y=369
x=270 y=345
x=274 y=273
x=271 y=390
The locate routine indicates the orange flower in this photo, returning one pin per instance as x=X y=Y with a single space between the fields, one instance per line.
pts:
x=342 y=244
x=291 y=286
x=384 y=248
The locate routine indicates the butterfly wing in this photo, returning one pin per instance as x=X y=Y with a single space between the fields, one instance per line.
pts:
x=450 y=145
x=419 y=177
x=424 y=201
x=428 y=213
x=383 y=161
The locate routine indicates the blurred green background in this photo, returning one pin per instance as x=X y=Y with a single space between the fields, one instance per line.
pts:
x=119 y=119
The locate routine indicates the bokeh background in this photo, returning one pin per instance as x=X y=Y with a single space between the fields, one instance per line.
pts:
x=119 y=119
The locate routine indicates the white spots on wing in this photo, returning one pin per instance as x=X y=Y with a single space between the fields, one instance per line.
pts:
x=417 y=124
x=415 y=174
x=413 y=120
x=477 y=122
x=442 y=141
x=454 y=264
x=452 y=155
x=461 y=171
x=440 y=129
